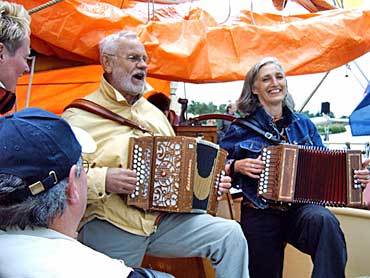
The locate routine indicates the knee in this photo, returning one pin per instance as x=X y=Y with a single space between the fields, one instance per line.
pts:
x=234 y=232
x=325 y=219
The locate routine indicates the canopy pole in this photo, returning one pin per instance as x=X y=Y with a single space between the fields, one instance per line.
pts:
x=30 y=81
x=313 y=92
x=355 y=76
x=363 y=74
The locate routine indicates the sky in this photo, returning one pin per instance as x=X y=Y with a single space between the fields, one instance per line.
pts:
x=343 y=93
x=343 y=87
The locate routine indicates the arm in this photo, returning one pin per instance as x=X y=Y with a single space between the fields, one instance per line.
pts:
x=249 y=166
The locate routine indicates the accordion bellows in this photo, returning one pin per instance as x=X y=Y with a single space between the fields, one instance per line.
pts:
x=300 y=174
x=176 y=173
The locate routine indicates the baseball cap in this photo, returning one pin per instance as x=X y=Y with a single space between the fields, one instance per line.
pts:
x=39 y=147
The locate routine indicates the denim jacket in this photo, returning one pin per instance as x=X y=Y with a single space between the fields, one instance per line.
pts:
x=242 y=142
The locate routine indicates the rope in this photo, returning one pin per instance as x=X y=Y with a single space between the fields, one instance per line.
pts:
x=44 y=6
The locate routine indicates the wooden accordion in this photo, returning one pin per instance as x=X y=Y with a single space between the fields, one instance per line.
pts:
x=176 y=174
x=300 y=174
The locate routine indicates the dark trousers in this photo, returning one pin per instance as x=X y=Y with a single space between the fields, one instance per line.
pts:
x=312 y=229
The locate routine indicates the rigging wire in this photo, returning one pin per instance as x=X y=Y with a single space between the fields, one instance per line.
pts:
x=313 y=92
x=150 y=16
x=355 y=76
x=251 y=12
x=228 y=15
x=363 y=74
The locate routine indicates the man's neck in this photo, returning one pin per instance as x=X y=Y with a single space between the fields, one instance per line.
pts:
x=131 y=99
x=66 y=224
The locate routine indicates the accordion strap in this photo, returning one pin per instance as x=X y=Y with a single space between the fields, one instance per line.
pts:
x=254 y=126
x=97 y=109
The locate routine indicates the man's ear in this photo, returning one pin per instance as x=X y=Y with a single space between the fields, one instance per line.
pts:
x=72 y=193
x=106 y=63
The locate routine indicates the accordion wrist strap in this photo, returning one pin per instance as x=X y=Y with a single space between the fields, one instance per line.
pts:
x=97 y=109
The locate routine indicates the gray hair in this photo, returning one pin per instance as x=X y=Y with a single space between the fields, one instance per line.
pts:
x=109 y=44
x=249 y=102
x=36 y=211
x=14 y=25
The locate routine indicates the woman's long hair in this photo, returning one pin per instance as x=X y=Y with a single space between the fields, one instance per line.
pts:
x=249 y=102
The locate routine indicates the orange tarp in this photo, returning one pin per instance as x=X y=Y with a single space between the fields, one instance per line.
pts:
x=189 y=45
x=54 y=90
x=184 y=44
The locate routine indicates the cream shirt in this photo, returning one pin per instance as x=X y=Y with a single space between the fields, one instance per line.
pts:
x=112 y=151
x=45 y=253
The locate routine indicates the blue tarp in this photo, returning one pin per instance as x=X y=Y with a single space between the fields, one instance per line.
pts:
x=359 y=120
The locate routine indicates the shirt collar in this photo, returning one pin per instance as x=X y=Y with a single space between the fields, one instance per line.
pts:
x=37 y=231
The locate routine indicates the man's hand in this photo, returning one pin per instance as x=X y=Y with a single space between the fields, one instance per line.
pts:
x=119 y=180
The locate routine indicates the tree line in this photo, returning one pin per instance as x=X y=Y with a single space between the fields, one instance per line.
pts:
x=199 y=108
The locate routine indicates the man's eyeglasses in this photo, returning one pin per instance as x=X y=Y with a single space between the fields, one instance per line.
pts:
x=132 y=58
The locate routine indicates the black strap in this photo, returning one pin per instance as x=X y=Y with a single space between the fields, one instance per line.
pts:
x=252 y=124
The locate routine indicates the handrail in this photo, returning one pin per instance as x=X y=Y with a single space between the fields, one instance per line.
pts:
x=213 y=116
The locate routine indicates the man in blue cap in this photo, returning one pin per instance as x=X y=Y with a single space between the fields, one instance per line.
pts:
x=43 y=193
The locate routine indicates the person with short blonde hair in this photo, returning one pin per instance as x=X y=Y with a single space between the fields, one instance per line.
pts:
x=14 y=50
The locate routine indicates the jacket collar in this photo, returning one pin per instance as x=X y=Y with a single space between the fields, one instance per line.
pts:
x=266 y=120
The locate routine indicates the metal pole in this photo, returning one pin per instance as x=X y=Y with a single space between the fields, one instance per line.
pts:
x=30 y=81
x=363 y=74
x=313 y=92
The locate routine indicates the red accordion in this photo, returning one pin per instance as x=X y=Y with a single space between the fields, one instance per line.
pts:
x=301 y=174
x=176 y=173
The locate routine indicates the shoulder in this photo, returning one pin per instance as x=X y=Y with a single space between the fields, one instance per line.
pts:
x=303 y=119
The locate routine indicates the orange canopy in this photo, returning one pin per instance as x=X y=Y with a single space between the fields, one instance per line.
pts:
x=189 y=45
x=53 y=90
x=185 y=43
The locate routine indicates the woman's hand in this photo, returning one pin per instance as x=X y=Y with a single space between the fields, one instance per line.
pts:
x=251 y=167
x=224 y=186
x=363 y=175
